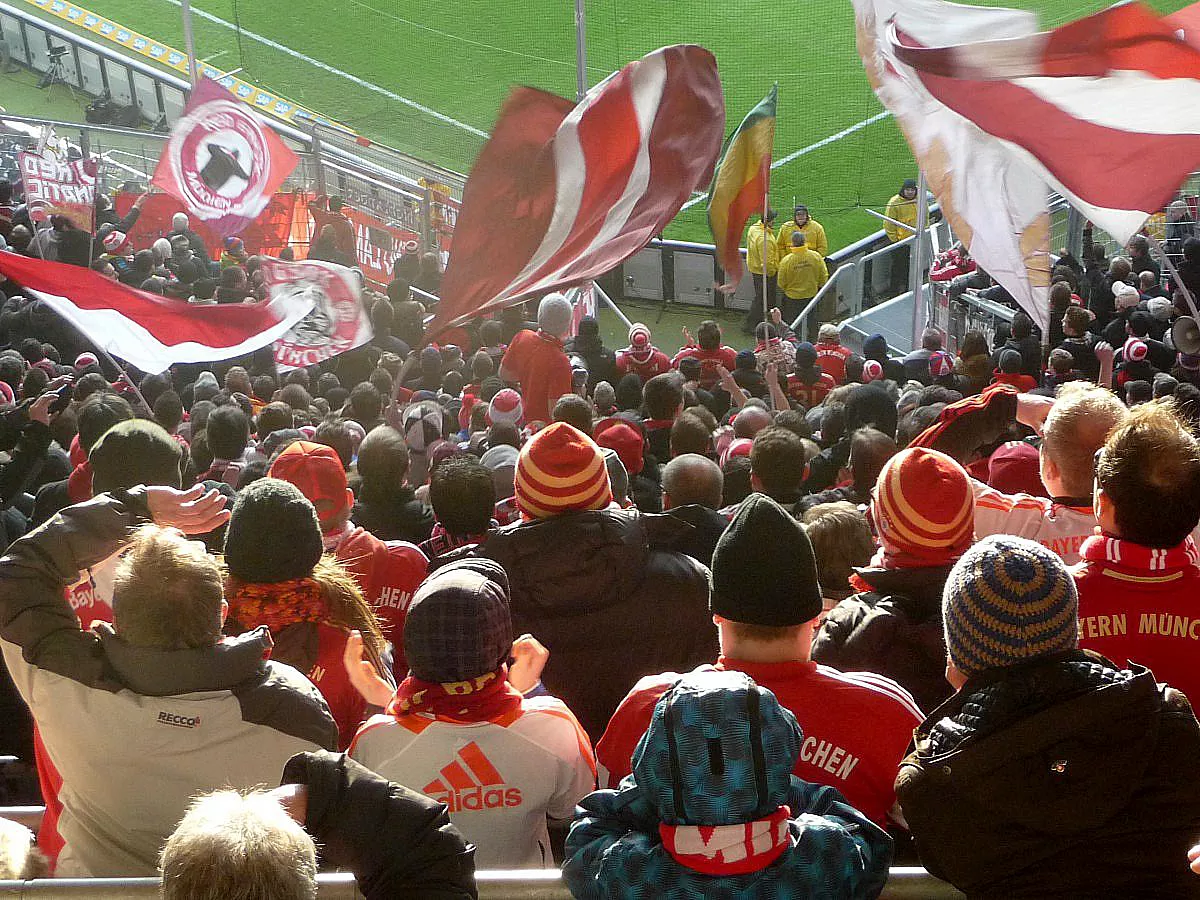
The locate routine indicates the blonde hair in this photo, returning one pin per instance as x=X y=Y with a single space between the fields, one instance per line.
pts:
x=841 y=541
x=1081 y=419
x=167 y=592
x=349 y=609
x=234 y=846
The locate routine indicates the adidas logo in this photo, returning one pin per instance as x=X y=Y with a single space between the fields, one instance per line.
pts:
x=471 y=782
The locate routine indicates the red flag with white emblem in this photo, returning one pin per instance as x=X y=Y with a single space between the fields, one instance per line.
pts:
x=222 y=161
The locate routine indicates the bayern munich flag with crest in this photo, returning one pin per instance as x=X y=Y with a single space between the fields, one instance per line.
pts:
x=222 y=161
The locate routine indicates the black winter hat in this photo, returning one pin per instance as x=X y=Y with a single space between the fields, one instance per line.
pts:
x=134 y=452
x=869 y=404
x=764 y=571
x=273 y=534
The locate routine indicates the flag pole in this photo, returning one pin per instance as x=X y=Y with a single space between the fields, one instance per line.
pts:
x=917 y=259
x=1191 y=302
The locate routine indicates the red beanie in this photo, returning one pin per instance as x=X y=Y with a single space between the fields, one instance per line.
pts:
x=627 y=441
x=924 y=509
x=560 y=469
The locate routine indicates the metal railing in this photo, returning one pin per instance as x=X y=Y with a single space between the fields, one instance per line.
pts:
x=516 y=884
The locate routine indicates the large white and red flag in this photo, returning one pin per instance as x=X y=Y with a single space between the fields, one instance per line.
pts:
x=222 y=161
x=147 y=330
x=1105 y=110
x=564 y=192
x=338 y=320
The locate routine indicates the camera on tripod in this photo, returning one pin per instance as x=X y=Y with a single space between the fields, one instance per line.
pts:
x=57 y=53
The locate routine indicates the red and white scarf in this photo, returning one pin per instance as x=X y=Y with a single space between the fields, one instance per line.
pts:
x=1102 y=548
x=729 y=849
x=477 y=700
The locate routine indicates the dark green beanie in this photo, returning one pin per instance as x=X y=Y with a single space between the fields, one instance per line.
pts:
x=134 y=452
x=763 y=570
x=273 y=534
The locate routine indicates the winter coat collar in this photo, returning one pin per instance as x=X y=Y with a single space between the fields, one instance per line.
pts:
x=165 y=673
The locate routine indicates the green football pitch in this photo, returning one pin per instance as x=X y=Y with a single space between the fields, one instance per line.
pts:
x=428 y=78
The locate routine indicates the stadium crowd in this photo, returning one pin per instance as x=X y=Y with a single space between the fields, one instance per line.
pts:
x=752 y=624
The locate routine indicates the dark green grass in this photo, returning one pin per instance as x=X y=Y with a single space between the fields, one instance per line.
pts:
x=461 y=57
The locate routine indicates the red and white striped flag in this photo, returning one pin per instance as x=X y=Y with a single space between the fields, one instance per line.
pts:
x=1105 y=110
x=149 y=331
x=562 y=192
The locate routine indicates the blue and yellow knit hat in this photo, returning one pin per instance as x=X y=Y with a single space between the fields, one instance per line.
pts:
x=1006 y=601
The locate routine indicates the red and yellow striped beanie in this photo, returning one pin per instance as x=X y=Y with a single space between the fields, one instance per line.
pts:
x=560 y=469
x=924 y=509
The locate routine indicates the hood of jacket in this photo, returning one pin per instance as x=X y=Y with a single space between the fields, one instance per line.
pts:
x=1071 y=730
x=579 y=562
x=917 y=593
x=719 y=750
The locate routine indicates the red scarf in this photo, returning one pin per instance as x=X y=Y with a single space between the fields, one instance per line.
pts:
x=480 y=699
x=729 y=849
x=275 y=605
x=1101 y=548
x=79 y=483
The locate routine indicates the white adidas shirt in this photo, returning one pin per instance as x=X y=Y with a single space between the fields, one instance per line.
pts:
x=500 y=779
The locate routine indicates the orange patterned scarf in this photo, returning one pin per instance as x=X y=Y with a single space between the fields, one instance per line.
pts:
x=276 y=605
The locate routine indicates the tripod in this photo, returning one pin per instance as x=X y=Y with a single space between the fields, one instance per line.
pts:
x=57 y=74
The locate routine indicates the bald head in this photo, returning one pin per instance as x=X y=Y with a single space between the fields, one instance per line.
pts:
x=692 y=478
x=750 y=421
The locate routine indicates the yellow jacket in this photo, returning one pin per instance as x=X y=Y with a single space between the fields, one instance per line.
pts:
x=801 y=273
x=755 y=238
x=814 y=236
x=902 y=211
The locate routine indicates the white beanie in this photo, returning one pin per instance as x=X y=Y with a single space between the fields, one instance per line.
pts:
x=555 y=314
x=506 y=407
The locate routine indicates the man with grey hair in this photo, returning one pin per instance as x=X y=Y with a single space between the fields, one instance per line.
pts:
x=691 y=492
x=234 y=845
x=831 y=355
x=181 y=225
x=537 y=362
x=140 y=716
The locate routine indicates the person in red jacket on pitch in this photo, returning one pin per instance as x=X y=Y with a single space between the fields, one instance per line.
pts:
x=1140 y=575
x=388 y=572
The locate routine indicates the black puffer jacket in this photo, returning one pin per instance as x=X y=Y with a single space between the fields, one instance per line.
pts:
x=893 y=630
x=595 y=588
x=1061 y=778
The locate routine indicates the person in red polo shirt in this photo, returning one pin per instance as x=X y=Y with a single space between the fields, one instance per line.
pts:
x=641 y=357
x=387 y=572
x=765 y=602
x=831 y=355
x=536 y=360
x=1140 y=576
x=710 y=351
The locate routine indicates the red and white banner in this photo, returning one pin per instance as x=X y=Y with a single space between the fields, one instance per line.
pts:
x=150 y=331
x=1105 y=110
x=266 y=235
x=337 y=320
x=583 y=303
x=222 y=161
x=377 y=244
x=56 y=188
x=564 y=192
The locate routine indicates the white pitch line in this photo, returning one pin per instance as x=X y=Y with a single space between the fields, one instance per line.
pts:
x=391 y=95
x=824 y=142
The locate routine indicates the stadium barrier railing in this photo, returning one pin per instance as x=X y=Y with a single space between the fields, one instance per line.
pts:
x=517 y=884
x=904 y=882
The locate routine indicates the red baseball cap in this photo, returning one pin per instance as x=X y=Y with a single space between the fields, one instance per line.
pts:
x=317 y=471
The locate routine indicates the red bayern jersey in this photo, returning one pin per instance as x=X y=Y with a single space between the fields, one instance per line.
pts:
x=831 y=358
x=1138 y=605
x=644 y=366
x=810 y=393
x=388 y=572
x=709 y=360
x=857 y=727
x=540 y=365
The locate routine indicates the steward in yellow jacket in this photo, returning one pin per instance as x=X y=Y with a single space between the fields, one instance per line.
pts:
x=903 y=208
x=759 y=238
x=814 y=233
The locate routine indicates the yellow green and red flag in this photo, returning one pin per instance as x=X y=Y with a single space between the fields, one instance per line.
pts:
x=740 y=183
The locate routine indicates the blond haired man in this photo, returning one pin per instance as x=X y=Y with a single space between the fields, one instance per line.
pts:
x=140 y=716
